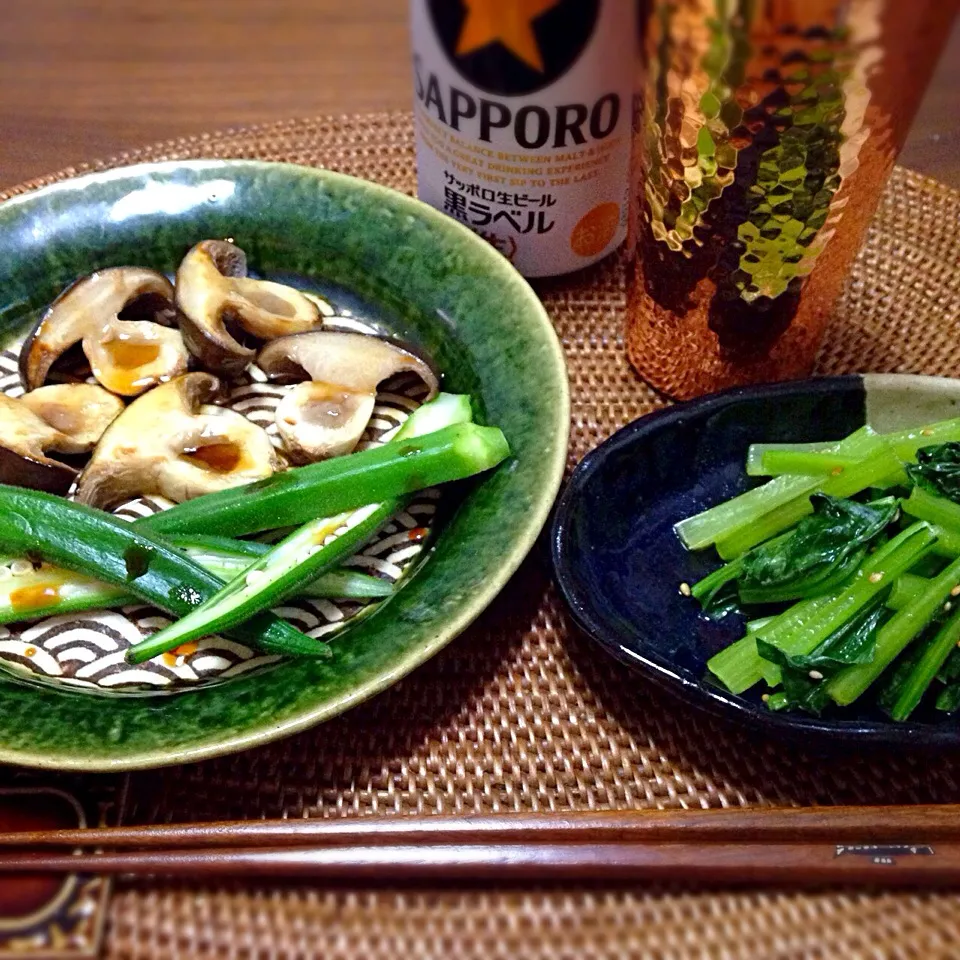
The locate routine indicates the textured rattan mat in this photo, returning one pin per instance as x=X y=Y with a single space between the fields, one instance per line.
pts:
x=522 y=713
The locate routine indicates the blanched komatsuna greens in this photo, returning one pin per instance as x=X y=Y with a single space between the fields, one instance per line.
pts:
x=847 y=564
x=820 y=553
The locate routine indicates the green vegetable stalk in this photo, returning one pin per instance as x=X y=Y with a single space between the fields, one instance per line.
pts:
x=879 y=468
x=723 y=521
x=934 y=509
x=948 y=542
x=895 y=635
x=906 y=589
x=817 y=557
x=707 y=589
x=803 y=674
x=924 y=673
x=803 y=627
x=859 y=444
x=727 y=519
x=810 y=464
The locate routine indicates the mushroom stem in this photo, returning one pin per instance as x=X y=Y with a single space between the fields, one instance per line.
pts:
x=214 y=292
x=326 y=415
x=127 y=356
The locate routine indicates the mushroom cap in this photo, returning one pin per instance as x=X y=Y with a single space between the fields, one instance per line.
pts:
x=127 y=356
x=24 y=440
x=81 y=411
x=169 y=443
x=213 y=290
x=326 y=416
x=317 y=421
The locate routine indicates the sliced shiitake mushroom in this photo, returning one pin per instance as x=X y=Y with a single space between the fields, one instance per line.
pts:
x=82 y=411
x=214 y=294
x=120 y=316
x=326 y=415
x=168 y=443
x=25 y=440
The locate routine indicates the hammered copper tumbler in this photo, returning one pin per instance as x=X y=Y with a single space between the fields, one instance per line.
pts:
x=766 y=133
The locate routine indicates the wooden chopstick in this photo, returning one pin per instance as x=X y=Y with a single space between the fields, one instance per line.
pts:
x=904 y=824
x=784 y=864
x=885 y=846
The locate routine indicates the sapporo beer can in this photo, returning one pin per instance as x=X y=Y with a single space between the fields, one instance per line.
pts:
x=523 y=115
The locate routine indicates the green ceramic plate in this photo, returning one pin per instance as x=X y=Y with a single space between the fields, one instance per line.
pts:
x=428 y=280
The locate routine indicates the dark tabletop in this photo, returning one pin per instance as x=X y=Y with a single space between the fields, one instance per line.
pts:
x=81 y=79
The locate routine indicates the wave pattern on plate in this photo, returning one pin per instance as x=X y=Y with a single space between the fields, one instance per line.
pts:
x=85 y=651
x=10 y=374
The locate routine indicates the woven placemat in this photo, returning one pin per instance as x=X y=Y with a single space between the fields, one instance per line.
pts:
x=523 y=713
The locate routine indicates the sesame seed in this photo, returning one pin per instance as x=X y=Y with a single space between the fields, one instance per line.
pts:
x=955 y=592
x=765 y=697
x=926 y=432
x=947 y=607
x=876 y=576
x=815 y=675
x=30 y=652
x=685 y=589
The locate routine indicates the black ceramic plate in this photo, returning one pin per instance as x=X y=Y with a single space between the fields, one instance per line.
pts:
x=619 y=563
